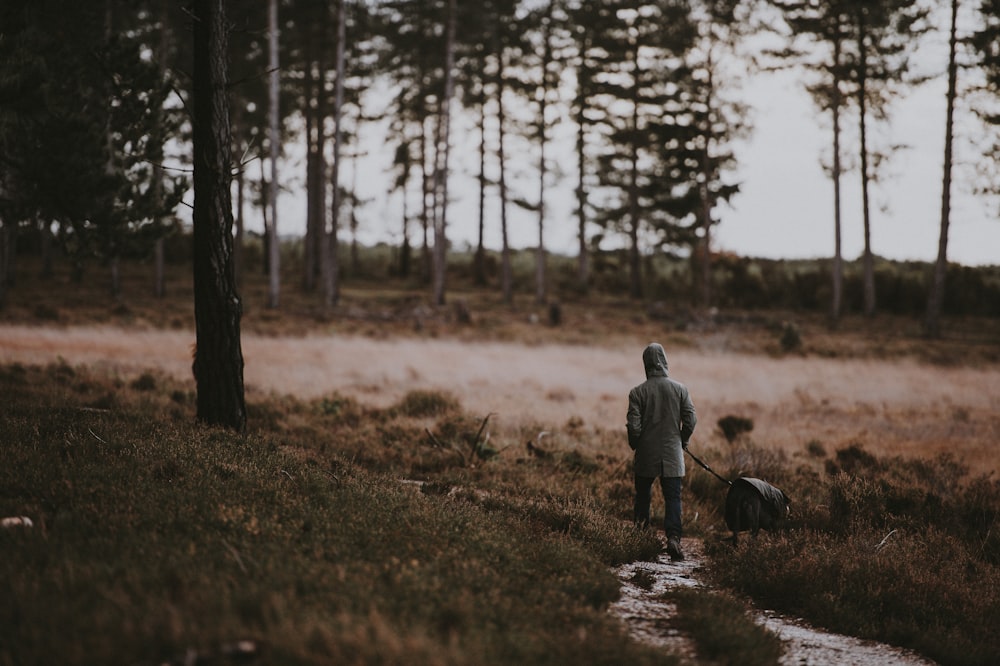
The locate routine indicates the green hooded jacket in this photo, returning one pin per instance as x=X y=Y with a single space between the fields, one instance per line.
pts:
x=660 y=419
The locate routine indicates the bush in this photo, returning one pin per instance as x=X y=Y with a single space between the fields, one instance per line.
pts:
x=419 y=404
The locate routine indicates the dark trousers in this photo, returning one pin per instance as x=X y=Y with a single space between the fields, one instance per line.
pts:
x=671 y=487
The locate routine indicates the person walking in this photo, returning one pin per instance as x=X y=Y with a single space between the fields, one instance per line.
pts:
x=660 y=421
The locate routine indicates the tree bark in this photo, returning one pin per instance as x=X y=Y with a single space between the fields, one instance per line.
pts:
x=331 y=262
x=506 y=275
x=274 y=137
x=4 y=235
x=583 y=262
x=218 y=357
x=634 y=263
x=479 y=262
x=159 y=272
x=541 y=291
x=932 y=323
x=868 y=261
x=838 y=264
x=441 y=163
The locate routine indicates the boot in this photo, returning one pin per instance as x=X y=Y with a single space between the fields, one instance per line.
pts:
x=674 y=549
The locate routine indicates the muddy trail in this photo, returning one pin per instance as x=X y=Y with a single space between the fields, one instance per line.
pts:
x=649 y=618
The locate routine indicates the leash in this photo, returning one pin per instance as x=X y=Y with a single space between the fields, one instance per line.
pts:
x=707 y=468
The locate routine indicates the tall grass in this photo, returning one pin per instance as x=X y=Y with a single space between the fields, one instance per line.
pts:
x=154 y=538
x=904 y=551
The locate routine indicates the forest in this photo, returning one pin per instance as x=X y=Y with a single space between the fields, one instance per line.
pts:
x=421 y=458
x=96 y=125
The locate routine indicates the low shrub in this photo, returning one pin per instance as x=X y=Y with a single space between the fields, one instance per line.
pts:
x=157 y=540
x=899 y=551
x=723 y=630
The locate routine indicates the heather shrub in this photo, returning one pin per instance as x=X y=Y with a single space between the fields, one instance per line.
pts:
x=897 y=550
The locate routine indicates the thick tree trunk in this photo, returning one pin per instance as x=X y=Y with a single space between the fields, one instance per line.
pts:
x=935 y=300
x=218 y=357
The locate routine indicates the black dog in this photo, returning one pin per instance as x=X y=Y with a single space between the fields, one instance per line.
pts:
x=753 y=505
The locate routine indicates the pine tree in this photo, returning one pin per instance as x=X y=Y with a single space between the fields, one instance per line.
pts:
x=218 y=361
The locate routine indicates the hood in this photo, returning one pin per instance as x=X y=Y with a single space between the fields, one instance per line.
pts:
x=654 y=360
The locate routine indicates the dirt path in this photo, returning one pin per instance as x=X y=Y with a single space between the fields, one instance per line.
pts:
x=649 y=619
x=898 y=407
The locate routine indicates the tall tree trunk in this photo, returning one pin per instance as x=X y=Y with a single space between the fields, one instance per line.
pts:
x=868 y=261
x=425 y=205
x=705 y=214
x=838 y=264
x=320 y=176
x=265 y=213
x=406 y=251
x=541 y=292
x=479 y=262
x=4 y=263
x=218 y=357
x=238 y=238
x=309 y=238
x=355 y=252
x=331 y=262
x=932 y=322
x=441 y=165
x=583 y=263
x=159 y=272
x=113 y=247
x=45 y=235
x=634 y=263
x=274 y=136
x=240 y=174
x=506 y=275
x=704 y=191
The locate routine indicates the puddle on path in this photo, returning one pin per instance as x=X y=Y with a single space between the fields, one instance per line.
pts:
x=649 y=619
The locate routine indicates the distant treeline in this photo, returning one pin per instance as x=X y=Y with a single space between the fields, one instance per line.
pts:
x=737 y=282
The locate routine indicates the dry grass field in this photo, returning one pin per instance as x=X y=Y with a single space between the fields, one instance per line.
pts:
x=899 y=406
x=263 y=531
